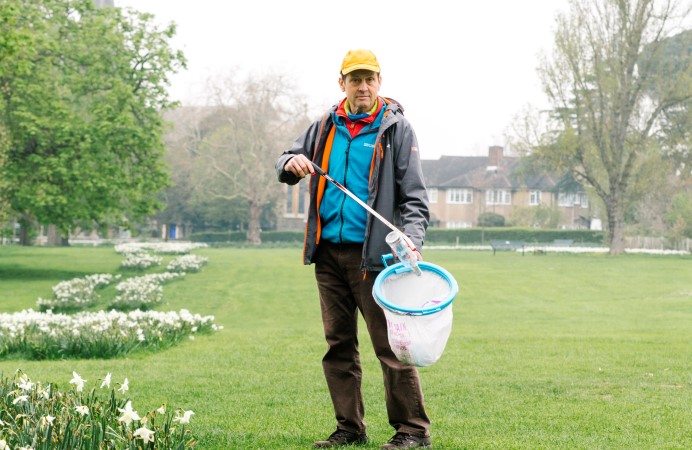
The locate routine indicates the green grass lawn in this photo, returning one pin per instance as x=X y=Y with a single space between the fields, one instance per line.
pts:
x=551 y=351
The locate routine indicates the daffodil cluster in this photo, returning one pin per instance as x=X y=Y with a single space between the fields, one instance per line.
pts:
x=37 y=335
x=42 y=417
x=169 y=248
x=77 y=293
x=140 y=260
x=142 y=292
x=187 y=263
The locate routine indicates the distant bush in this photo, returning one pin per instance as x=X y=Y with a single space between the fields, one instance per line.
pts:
x=491 y=219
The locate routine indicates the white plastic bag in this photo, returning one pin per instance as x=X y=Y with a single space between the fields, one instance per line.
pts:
x=418 y=311
x=418 y=340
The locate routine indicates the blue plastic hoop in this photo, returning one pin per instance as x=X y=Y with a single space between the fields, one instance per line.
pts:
x=423 y=265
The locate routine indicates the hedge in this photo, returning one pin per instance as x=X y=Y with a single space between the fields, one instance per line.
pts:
x=434 y=236
x=239 y=237
x=472 y=236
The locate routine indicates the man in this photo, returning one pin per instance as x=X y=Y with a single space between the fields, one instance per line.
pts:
x=367 y=145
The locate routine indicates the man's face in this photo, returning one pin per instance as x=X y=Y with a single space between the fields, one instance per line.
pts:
x=361 y=88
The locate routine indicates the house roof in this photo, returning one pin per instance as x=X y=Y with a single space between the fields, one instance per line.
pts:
x=437 y=172
x=475 y=172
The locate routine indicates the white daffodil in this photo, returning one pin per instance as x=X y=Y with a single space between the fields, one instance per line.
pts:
x=162 y=409
x=144 y=434
x=185 y=418
x=77 y=381
x=20 y=399
x=47 y=420
x=128 y=414
x=24 y=383
x=4 y=445
x=124 y=387
x=106 y=381
x=82 y=409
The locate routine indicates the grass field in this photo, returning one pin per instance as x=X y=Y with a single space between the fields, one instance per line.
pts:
x=552 y=351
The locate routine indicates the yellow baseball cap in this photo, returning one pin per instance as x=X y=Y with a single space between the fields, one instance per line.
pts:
x=359 y=60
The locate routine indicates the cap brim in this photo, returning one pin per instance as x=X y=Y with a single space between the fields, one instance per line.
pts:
x=355 y=67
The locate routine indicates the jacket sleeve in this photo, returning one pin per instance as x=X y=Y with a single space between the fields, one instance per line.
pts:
x=412 y=196
x=305 y=145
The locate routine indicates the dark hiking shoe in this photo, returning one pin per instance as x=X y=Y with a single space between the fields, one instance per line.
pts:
x=405 y=440
x=342 y=437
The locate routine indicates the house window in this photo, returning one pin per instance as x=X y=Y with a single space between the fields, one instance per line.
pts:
x=459 y=196
x=432 y=195
x=534 y=198
x=573 y=199
x=301 y=200
x=565 y=199
x=295 y=200
x=498 y=197
x=289 y=200
x=451 y=225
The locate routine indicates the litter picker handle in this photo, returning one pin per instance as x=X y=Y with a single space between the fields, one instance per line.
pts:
x=319 y=170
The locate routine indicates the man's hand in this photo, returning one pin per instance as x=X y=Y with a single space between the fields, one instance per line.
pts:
x=299 y=166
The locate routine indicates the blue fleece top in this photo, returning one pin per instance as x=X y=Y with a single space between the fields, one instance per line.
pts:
x=343 y=220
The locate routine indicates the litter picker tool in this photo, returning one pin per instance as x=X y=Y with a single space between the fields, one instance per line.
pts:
x=391 y=238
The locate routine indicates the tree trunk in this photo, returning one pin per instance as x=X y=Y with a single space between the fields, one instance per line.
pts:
x=253 y=226
x=25 y=227
x=52 y=236
x=616 y=224
x=13 y=224
x=24 y=238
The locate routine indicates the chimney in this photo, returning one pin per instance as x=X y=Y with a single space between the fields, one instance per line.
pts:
x=494 y=156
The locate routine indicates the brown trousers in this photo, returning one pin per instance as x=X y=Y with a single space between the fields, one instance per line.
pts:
x=343 y=292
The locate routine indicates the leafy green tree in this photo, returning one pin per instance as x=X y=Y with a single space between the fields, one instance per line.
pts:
x=611 y=98
x=82 y=97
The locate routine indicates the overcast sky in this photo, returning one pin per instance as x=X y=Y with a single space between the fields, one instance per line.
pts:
x=461 y=72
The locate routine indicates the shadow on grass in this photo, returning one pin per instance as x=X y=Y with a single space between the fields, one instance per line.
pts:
x=22 y=273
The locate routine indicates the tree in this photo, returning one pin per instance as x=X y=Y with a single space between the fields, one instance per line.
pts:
x=81 y=102
x=186 y=201
x=610 y=100
x=251 y=123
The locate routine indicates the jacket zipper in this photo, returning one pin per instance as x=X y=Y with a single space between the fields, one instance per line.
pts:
x=343 y=200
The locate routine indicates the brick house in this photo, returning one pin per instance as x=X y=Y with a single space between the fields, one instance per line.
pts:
x=461 y=188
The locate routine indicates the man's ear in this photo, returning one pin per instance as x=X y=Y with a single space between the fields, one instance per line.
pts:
x=342 y=85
